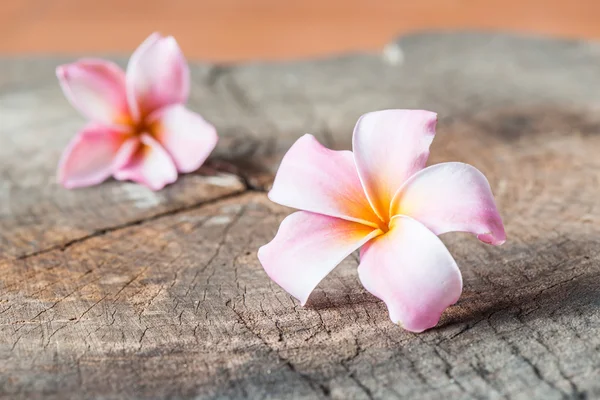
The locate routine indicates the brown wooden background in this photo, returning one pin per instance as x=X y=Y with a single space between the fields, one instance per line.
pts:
x=228 y=30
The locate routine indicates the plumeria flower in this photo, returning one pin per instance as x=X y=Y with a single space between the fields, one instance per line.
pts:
x=380 y=197
x=139 y=127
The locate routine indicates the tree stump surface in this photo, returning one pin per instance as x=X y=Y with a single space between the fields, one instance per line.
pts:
x=116 y=291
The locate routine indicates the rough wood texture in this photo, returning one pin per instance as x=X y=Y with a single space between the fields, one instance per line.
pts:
x=117 y=292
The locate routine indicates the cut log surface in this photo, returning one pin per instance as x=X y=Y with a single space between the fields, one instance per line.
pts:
x=119 y=292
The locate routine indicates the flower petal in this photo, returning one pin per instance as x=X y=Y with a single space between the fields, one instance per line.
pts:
x=125 y=154
x=410 y=269
x=97 y=89
x=88 y=159
x=157 y=75
x=314 y=178
x=452 y=197
x=389 y=147
x=307 y=247
x=144 y=161
x=185 y=135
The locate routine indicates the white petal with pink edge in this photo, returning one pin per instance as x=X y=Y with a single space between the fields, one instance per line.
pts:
x=157 y=75
x=187 y=136
x=452 y=197
x=314 y=178
x=146 y=162
x=307 y=247
x=389 y=147
x=410 y=269
x=97 y=89
x=88 y=159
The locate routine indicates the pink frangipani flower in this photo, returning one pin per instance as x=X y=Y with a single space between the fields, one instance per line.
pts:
x=380 y=197
x=139 y=127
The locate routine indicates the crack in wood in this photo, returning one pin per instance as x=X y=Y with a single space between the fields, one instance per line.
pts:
x=139 y=294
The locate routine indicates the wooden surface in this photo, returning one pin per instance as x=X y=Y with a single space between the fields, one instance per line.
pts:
x=119 y=292
x=227 y=30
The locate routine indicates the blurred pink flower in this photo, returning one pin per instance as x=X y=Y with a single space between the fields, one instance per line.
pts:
x=139 y=128
x=380 y=197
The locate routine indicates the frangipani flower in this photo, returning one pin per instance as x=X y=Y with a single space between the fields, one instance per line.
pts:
x=139 y=128
x=380 y=197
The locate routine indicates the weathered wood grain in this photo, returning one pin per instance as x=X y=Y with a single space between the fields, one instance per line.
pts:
x=117 y=292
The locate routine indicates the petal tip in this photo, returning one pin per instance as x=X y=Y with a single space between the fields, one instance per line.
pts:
x=433 y=120
x=260 y=254
x=64 y=73
x=490 y=238
x=156 y=35
x=61 y=175
x=401 y=325
x=212 y=131
x=171 y=42
x=265 y=260
x=69 y=184
x=65 y=183
x=419 y=323
x=61 y=71
x=157 y=186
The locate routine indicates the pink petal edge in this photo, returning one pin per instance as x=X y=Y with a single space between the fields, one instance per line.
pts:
x=451 y=197
x=97 y=89
x=314 y=178
x=307 y=247
x=144 y=160
x=389 y=147
x=157 y=75
x=410 y=269
x=187 y=136
x=88 y=159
